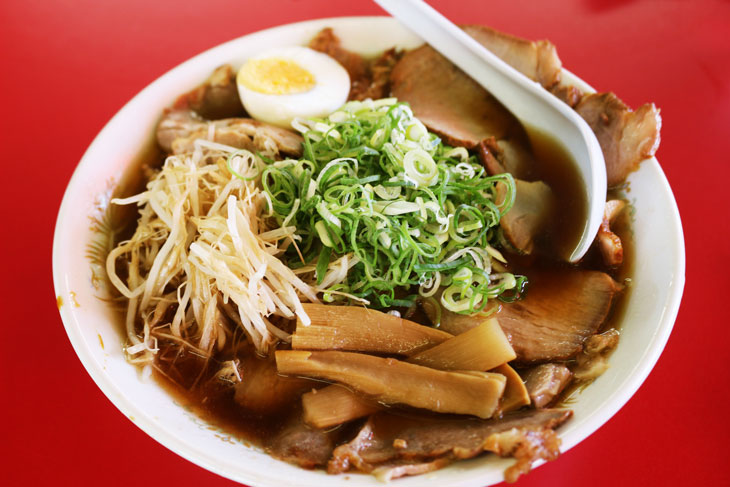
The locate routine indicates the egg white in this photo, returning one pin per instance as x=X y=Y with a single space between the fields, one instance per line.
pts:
x=332 y=85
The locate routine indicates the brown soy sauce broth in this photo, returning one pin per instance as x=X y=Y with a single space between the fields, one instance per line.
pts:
x=189 y=379
x=556 y=168
x=192 y=382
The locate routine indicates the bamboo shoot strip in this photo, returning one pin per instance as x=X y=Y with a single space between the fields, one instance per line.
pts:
x=477 y=349
x=515 y=392
x=482 y=348
x=354 y=328
x=335 y=405
x=392 y=381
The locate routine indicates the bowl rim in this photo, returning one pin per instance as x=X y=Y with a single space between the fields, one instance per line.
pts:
x=171 y=441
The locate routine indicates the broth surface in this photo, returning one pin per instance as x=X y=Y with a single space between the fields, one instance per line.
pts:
x=558 y=170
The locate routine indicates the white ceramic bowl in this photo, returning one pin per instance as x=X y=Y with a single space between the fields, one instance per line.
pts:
x=658 y=281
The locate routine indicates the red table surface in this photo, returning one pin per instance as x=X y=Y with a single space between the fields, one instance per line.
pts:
x=67 y=67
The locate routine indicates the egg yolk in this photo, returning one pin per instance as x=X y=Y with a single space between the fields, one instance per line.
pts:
x=274 y=76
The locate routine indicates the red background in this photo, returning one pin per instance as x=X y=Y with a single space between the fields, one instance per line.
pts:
x=67 y=67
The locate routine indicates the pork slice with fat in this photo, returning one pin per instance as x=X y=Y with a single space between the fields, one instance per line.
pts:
x=216 y=98
x=612 y=250
x=301 y=444
x=627 y=136
x=454 y=106
x=448 y=101
x=451 y=104
x=178 y=130
x=263 y=391
x=538 y=60
x=568 y=94
x=526 y=446
x=593 y=361
x=559 y=312
x=545 y=381
x=507 y=155
x=388 y=438
x=533 y=205
x=379 y=70
x=328 y=43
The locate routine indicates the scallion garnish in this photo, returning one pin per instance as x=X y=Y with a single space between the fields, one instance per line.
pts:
x=407 y=210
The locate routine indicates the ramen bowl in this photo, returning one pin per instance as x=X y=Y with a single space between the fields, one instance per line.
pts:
x=95 y=329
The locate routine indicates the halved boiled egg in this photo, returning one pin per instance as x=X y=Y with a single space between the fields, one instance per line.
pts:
x=287 y=82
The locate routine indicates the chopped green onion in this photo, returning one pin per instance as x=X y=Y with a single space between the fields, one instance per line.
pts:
x=323 y=262
x=375 y=184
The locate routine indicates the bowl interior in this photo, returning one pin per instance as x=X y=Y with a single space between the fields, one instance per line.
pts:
x=95 y=330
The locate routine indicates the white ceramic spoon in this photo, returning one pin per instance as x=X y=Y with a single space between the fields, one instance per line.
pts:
x=526 y=99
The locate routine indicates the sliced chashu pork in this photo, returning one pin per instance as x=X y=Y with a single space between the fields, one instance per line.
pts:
x=389 y=438
x=534 y=202
x=559 y=312
x=526 y=446
x=463 y=113
x=301 y=444
x=507 y=155
x=178 y=130
x=594 y=359
x=545 y=381
x=215 y=98
x=449 y=102
x=456 y=107
x=538 y=60
x=263 y=391
x=627 y=136
x=368 y=79
x=568 y=94
x=612 y=250
x=379 y=77
x=328 y=43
